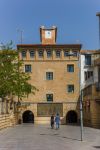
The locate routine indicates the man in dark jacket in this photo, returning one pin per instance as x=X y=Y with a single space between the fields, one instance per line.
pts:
x=52 y=121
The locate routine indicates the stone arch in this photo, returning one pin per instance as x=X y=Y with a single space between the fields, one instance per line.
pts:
x=71 y=117
x=28 y=116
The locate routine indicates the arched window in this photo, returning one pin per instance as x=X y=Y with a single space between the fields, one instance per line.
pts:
x=40 y=53
x=58 y=53
x=23 y=54
x=66 y=53
x=32 y=53
x=74 y=53
x=49 y=53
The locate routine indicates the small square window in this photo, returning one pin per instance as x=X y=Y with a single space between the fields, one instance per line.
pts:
x=49 y=75
x=70 y=88
x=58 y=53
x=70 y=68
x=28 y=68
x=23 y=54
x=49 y=97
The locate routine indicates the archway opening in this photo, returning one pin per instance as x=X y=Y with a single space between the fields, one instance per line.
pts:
x=28 y=117
x=71 y=117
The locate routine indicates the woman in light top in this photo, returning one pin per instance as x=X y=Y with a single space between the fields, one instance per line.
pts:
x=57 y=121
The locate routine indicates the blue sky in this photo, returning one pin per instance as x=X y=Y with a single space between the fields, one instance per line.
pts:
x=75 y=19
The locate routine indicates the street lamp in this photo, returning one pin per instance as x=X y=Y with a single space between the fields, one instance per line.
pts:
x=98 y=15
x=80 y=99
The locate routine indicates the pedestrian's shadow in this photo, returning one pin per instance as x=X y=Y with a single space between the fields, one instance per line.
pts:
x=70 y=138
x=97 y=147
x=57 y=135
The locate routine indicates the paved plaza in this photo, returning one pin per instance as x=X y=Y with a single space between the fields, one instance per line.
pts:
x=42 y=137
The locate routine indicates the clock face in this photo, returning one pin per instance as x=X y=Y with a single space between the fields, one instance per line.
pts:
x=48 y=34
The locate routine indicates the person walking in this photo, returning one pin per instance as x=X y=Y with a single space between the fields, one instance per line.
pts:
x=52 y=121
x=57 y=121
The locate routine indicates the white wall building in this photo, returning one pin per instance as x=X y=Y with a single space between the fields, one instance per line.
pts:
x=87 y=71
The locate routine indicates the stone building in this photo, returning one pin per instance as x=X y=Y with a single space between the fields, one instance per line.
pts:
x=54 y=70
x=90 y=71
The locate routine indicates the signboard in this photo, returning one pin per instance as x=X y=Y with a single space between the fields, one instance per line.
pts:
x=46 y=110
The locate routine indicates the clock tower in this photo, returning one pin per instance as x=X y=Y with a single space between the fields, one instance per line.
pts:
x=48 y=36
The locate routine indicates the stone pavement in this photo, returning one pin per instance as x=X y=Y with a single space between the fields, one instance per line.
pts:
x=42 y=137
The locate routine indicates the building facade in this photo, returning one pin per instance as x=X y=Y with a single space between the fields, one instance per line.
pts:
x=91 y=87
x=54 y=70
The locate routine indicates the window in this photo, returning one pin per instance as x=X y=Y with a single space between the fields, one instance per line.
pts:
x=74 y=53
x=87 y=59
x=40 y=53
x=23 y=54
x=28 y=68
x=88 y=74
x=70 y=89
x=49 y=53
x=66 y=53
x=49 y=97
x=49 y=75
x=32 y=53
x=70 y=68
x=58 y=53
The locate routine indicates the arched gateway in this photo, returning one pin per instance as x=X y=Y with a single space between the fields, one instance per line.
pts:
x=28 y=117
x=71 y=117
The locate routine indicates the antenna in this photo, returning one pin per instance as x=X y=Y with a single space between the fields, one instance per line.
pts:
x=21 y=35
x=98 y=15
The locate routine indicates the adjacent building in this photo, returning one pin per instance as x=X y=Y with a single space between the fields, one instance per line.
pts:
x=90 y=85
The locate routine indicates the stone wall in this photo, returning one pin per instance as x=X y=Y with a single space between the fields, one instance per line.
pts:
x=6 y=120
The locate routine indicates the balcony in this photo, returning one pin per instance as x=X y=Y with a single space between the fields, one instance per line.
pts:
x=87 y=65
x=89 y=81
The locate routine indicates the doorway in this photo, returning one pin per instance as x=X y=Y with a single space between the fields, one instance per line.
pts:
x=28 y=117
x=71 y=117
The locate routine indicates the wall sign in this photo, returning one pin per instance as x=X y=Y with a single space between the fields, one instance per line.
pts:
x=46 y=110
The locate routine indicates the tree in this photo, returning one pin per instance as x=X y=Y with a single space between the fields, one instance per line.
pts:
x=13 y=81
